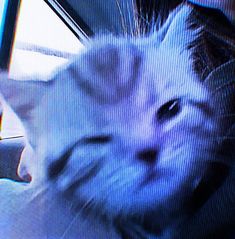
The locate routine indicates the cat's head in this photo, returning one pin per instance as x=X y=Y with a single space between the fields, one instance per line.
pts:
x=122 y=129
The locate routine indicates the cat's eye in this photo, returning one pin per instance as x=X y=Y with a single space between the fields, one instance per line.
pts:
x=168 y=110
x=100 y=139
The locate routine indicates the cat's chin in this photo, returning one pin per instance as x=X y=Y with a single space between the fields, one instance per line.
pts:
x=140 y=203
x=132 y=217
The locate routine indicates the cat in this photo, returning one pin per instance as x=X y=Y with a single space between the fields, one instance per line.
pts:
x=119 y=134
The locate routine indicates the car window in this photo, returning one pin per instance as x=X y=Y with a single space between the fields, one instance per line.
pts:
x=42 y=43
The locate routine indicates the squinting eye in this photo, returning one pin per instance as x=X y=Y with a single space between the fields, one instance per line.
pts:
x=168 y=110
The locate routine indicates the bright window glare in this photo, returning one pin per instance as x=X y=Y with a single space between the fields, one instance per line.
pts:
x=39 y=27
x=42 y=43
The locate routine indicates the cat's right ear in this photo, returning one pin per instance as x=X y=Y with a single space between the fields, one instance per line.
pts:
x=21 y=96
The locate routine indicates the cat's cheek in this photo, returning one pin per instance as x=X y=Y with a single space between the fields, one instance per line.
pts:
x=80 y=169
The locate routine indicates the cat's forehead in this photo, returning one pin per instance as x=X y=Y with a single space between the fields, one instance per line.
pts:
x=108 y=70
x=111 y=71
x=173 y=74
x=121 y=63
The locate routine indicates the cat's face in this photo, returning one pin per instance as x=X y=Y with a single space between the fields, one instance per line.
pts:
x=123 y=129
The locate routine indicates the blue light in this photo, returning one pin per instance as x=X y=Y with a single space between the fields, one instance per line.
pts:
x=3 y=11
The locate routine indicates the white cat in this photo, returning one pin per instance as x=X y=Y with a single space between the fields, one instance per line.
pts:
x=123 y=135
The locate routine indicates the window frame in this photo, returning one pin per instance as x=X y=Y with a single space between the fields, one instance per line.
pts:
x=71 y=19
x=9 y=21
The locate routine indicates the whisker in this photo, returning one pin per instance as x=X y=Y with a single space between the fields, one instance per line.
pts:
x=146 y=25
x=130 y=19
x=122 y=18
x=69 y=226
x=88 y=203
x=135 y=16
x=231 y=82
x=40 y=192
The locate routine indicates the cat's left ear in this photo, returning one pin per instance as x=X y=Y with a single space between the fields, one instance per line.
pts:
x=21 y=96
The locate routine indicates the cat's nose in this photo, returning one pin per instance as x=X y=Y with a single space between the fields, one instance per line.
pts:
x=148 y=155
